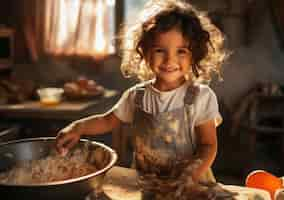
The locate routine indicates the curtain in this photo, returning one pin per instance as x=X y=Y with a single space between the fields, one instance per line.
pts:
x=33 y=26
x=69 y=27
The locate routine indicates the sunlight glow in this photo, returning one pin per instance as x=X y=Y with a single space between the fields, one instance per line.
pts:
x=100 y=42
x=81 y=27
x=110 y=2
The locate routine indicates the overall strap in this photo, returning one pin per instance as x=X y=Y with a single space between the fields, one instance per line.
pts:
x=139 y=97
x=189 y=99
x=191 y=94
x=140 y=90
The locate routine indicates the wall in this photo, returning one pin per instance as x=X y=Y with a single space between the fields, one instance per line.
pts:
x=259 y=61
x=256 y=54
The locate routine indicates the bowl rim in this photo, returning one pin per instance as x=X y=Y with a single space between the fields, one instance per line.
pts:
x=113 y=160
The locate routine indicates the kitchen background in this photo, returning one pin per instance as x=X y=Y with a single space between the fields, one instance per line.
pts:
x=49 y=49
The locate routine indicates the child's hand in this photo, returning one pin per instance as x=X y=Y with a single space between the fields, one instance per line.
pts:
x=151 y=182
x=190 y=173
x=67 y=138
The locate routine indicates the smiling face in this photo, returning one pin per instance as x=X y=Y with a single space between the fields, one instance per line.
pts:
x=170 y=59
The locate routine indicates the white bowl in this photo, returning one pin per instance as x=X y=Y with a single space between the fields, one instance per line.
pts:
x=50 y=96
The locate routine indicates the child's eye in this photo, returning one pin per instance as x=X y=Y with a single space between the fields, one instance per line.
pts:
x=182 y=51
x=158 y=50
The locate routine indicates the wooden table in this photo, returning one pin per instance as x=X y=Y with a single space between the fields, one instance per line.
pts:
x=66 y=110
x=121 y=183
x=37 y=120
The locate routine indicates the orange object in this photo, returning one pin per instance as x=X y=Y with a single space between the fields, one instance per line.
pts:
x=261 y=179
x=49 y=102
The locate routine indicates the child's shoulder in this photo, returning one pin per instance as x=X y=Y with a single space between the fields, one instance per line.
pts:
x=204 y=90
x=203 y=87
x=132 y=91
x=140 y=86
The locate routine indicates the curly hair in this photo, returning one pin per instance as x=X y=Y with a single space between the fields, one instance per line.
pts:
x=206 y=41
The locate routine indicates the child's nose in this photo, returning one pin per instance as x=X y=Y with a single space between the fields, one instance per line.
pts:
x=171 y=59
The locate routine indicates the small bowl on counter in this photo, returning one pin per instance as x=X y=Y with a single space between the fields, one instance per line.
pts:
x=50 y=96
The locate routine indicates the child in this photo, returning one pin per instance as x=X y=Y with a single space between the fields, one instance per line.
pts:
x=171 y=49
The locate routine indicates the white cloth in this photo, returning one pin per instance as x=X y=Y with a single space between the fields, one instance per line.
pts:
x=155 y=101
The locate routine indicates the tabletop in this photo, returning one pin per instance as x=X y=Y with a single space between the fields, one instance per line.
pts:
x=121 y=183
x=66 y=110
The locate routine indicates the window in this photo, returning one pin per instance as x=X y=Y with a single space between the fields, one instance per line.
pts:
x=80 y=27
x=84 y=27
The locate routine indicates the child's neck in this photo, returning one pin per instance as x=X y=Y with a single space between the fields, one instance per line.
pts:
x=167 y=86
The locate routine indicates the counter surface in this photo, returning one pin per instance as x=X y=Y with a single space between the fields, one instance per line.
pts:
x=66 y=110
x=121 y=183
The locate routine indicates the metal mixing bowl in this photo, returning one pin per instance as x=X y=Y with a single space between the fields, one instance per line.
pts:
x=37 y=148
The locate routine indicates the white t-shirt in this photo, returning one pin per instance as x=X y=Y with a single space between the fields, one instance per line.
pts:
x=154 y=101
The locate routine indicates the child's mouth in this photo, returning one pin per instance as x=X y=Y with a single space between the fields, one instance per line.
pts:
x=168 y=70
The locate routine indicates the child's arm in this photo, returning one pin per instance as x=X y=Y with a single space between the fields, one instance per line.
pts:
x=93 y=125
x=206 y=139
